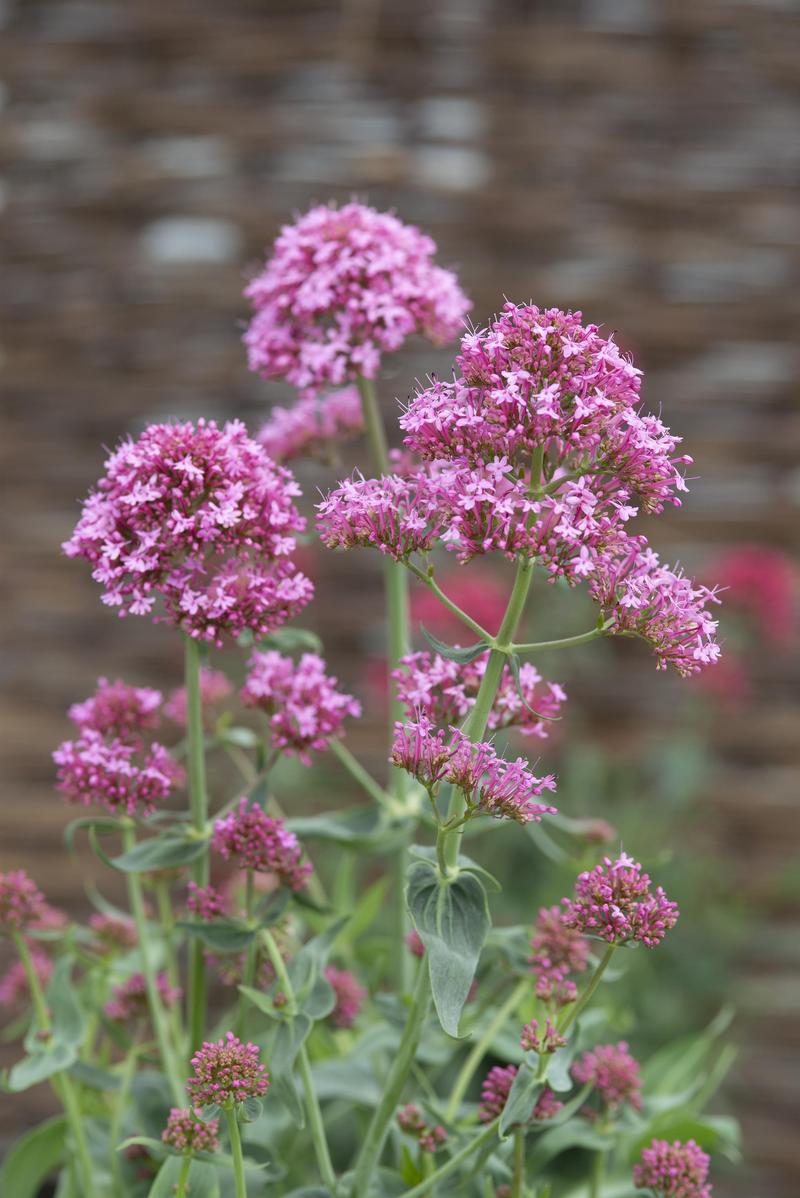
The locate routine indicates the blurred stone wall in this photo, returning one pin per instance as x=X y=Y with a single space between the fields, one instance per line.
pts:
x=637 y=159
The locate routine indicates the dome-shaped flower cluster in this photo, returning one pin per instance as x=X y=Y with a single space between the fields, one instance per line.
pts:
x=343 y=287
x=254 y=840
x=312 y=426
x=226 y=1072
x=186 y=1132
x=117 y=709
x=129 y=999
x=305 y=709
x=350 y=996
x=674 y=1170
x=556 y=951
x=201 y=518
x=22 y=904
x=613 y=1073
x=615 y=902
x=445 y=690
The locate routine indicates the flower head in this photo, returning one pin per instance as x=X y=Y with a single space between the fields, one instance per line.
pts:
x=305 y=709
x=113 y=933
x=14 y=989
x=118 y=710
x=254 y=840
x=206 y=902
x=397 y=516
x=201 y=518
x=673 y=1170
x=549 y=1040
x=129 y=999
x=214 y=689
x=613 y=1073
x=312 y=425
x=343 y=287
x=547 y=1105
x=122 y=777
x=22 y=904
x=226 y=1072
x=556 y=951
x=186 y=1132
x=614 y=901
x=495 y=1091
x=350 y=995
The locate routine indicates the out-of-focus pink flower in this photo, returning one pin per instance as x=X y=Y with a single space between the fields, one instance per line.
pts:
x=544 y=1041
x=547 y=1105
x=476 y=591
x=614 y=901
x=214 y=689
x=613 y=1073
x=410 y=1119
x=556 y=951
x=495 y=1091
x=305 y=709
x=186 y=1132
x=226 y=1072
x=673 y=1170
x=414 y=943
x=118 y=710
x=129 y=999
x=350 y=995
x=312 y=426
x=113 y=933
x=206 y=902
x=343 y=287
x=254 y=840
x=201 y=518
x=14 y=989
x=762 y=582
x=22 y=904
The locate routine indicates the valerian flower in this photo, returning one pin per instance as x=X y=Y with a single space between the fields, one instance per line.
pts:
x=254 y=840
x=675 y=1170
x=312 y=426
x=615 y=902
x=613 y=1073
x=226 y=1072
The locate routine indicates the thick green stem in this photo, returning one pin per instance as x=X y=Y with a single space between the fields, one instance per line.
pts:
x=453 y=1164
x=158 y=1015
x=574 y=1011
x=518 y=1178
x=198 y=800
x=362 y=776
x=313 y=1110
x=167 y=919
x=598 y=1169
x=236 y=1152
x=398 y=1073
x=62 y=1082
x=479 y=1049
x=183 y=1178
x=252 y=955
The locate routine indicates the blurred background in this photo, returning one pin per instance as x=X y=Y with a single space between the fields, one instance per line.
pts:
x=636 y=159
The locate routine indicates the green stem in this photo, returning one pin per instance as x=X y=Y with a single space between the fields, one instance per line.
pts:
x=432 y=585
x=565 y=642
x=518 y=1179
x=454 y=1162
x=167 y=920
x=574 y=1011
x=252 y=955
x=362 y=776
x=183 y=1177
x=596 y=1180
x=157 y=1014
x=198 y=799
x=316 y=1124
x=478 y=1051
x=236 y=1152
x=398 y=1073
x=120 y=1107
x=62 y=1082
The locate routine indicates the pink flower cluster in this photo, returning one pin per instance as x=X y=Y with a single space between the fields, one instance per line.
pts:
x=200 y=517
x=214 y=689
x=613 y=1073
x=305 y=709
x=206 y=902
x=312 y=426
x=410 y=1119
x=254 y=840
x=129 y=999
x=394 y=515
x=122 y=777
x=113 y=933
x=350 y=995
x=549 y=1040
x=673 y=1170
x=344 y=286
x=556 y=951
x=186 y=1132
x=491 y=784
x=614 y=902
x=22 y=904
x=14 y=989
x=496 y=1089
x=117 y=709
x=226 y=1072
x=445 y=691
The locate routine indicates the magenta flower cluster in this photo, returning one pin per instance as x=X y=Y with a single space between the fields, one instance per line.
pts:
x=496 y=1089
x=350 y=996
x=343 y=287
x=187 y=1133
x=14 y=988
x=546 y=1040
x=254 y=840
x=556 y=951
x=491 y=784
x=22 y=904
x=206 y=902
x=305 y=709
x=312 y=426
x=226 y=1072
x=129 y=998
x=613 y=1073
x=118 y=776
x=614 y=901
x=201 y=518
x=445 y=690
x=118 y=710
x=430 y=1138
x=674 y=1170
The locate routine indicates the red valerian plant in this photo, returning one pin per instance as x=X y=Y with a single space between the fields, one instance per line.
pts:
x=332 y=1021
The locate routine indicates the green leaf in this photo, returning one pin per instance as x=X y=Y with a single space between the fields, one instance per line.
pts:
x=94 y=1078
x=307 y=965
x=261 y=1001
x=577 y=1133
x=320 y=1000
x=160 y=852
x=242 y=738
x=32 y=1159
x=427 y=852
x=514 y=666
x=522 y=1097
x=288 y=640
x=364 y=828
x=69 y=1024
x=203 y=1182
x=38 y=1066
x=558 y=1069
x=271 y=908
x=454 y=652
x=452 y=918
x=289 y=1039
x=223 y=935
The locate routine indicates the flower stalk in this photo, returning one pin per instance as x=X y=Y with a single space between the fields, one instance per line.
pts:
x=236 y=1151
x=198 y=800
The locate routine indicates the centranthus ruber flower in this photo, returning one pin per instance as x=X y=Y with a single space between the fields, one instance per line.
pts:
x=615 y=902
x=187 y=1133
x=129 y=999
x=397 y=516
x=112 y=933
x=491 y=784
x=117 y=709
x=675 y=1170
x=251 y=839
x=495 y=1090
x=200 y=518
x=312 y=426
x=541 y=1040
x=22 y=904
x=613 y=1073
x=350 y=996
x=14 y=989
x=556 y=951
x=123 y=778
x=445 y=690
x=206 y=902
x=214 y=690
x=305 y=709
x=343 y=287
x=226 y=1072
